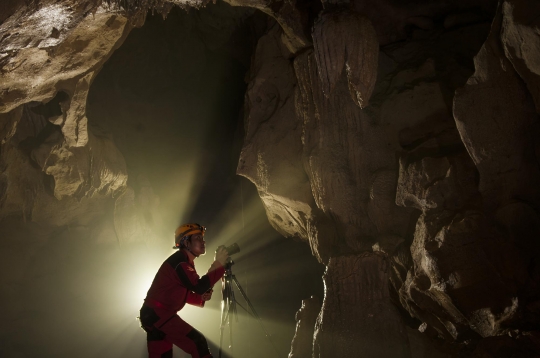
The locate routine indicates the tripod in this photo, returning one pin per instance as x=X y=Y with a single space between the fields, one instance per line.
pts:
x=228 y=306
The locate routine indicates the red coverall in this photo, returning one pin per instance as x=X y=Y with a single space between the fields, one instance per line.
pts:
x=176 y=283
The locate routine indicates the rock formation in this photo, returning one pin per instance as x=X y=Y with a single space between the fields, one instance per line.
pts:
x=398 y=139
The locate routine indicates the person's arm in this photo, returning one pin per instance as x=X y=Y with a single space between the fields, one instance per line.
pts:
x=195 y=299
x=200 y=285
x=193 y=282
x=199 y=300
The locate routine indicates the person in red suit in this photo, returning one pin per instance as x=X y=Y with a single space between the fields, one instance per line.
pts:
x=175 y=284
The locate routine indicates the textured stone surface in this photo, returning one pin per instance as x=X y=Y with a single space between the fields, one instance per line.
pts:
x=273 y=140
x=434 y=184
x=69 y=68
x=458 y=270
x=350 y=158
x=337 y=48
x=474 y=272
x=70 y=173
x=357 y=315
x=302 y=343
x=338 y=124
x=519 y=37
x=504 y=155
x=289 y=16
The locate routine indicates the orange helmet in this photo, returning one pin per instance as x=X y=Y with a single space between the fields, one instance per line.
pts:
x=185 y=231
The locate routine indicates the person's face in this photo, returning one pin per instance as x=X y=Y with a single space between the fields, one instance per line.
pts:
x=197 y=245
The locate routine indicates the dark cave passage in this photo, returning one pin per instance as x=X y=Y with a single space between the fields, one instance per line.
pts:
x=171 y=99
x=172 y=104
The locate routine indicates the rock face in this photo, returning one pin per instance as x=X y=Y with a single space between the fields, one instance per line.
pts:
x=302 y=344
x=337 y=47
x=414 y=175
x=358 y=285
x=410 y=167
x=61 y=52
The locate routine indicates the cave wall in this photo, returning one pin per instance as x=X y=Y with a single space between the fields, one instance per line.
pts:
x=411 y=153
x=402 y=148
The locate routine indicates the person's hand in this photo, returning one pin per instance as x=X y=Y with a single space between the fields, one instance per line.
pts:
x=207 y=295
x=222 y=255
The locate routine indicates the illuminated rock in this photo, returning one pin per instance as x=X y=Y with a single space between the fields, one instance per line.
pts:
x=306 y=316
x=346 y=41
x=289 y=16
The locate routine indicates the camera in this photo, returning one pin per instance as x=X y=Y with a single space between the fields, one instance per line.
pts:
x=231 y=250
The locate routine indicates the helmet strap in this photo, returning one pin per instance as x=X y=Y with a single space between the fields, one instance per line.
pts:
x=188 y=249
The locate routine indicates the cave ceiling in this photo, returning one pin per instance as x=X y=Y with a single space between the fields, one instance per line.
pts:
x=399 y=139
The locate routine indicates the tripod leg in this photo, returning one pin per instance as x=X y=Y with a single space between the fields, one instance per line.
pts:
x=231 y=334
x=255 y=314
x=220 y=339
x=232 y=313
x=233 y=306
x=225 y=310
